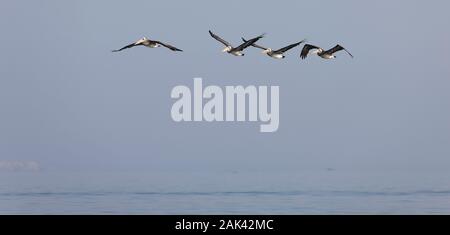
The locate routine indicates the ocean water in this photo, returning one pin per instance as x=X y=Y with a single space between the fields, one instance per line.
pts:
x=257 y=192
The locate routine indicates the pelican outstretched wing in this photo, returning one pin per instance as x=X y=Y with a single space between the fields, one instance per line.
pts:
x=306 y=50
x=287 y=48
x=168 y=46
x=255 y=45
x=247 y=43
x=220 y=39
x=336 y=49
x=127 y=47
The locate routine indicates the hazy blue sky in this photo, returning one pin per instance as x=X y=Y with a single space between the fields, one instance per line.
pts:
x=67 y=102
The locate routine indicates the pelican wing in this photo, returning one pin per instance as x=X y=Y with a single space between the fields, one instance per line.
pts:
x=247 y=43
x=220 y=39
x=287 y=48
x=306 y=50
x=336 y=49
x=168 y=46
x=255 y=45
x=127 y=47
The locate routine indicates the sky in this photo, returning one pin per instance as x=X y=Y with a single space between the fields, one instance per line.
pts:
x=67 y=102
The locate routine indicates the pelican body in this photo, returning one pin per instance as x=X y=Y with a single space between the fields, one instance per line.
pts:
x=329 y=54
x=148 y=43
x=276 y=54
x=236 y=51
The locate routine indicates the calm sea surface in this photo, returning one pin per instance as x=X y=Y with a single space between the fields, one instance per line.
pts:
x=310 y=192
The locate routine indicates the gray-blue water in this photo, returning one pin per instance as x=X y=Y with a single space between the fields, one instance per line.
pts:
x=305 y=192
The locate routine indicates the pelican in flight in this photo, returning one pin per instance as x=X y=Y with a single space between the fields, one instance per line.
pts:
x=276 y=54
x=237 y=51
x=148 y=43
x=321 y=52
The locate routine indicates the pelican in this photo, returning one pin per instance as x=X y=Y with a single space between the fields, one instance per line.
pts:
x=276 y=54
x=237 y=51
x=321 y=52
x=148 y=43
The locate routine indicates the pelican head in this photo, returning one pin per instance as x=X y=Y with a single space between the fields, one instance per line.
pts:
x=316 y=51
x=227 y=49
x=142 y=40
x=267 y=51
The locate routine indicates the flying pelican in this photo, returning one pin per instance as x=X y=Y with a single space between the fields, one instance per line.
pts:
x=321 y=52
x=277 y=54
x=237 y=51
x=148 y=43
